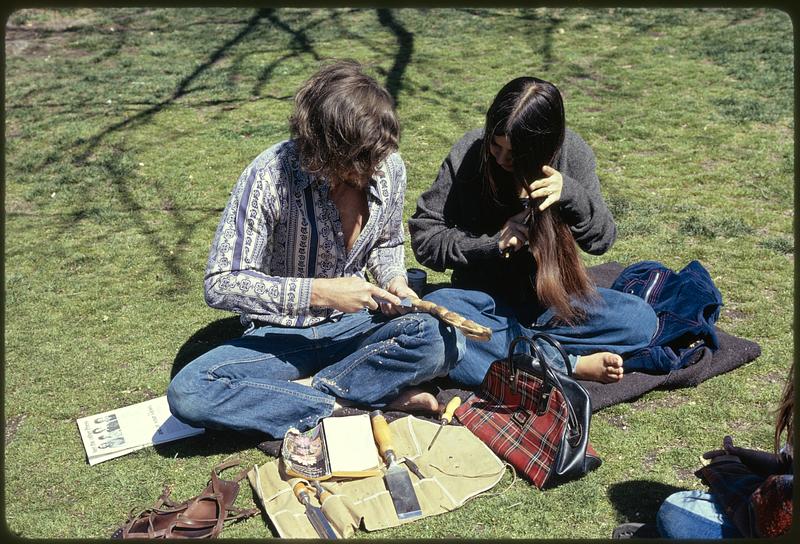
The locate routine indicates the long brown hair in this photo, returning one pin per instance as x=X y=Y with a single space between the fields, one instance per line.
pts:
x=784 y=421
x=343 y=122
x=530 y=112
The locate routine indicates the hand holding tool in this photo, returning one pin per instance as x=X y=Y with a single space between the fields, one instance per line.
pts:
x=398 y=482
x=314 y=513
x=449 y=410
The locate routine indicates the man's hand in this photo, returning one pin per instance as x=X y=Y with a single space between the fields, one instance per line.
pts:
x=549 y=187
x=397 y=286
x=514 y=234
x=348 y=295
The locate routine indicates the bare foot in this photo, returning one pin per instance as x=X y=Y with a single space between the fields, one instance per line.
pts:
x=603 y=367
x=414 y=400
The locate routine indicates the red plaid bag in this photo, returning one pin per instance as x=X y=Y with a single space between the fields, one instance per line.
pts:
x=533 y=417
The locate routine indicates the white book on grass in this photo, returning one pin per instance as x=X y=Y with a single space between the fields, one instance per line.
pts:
x=118 y=432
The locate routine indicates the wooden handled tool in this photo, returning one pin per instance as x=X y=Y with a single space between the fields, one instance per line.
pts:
x=398 y=482
x=449 y=410
x=314 y=513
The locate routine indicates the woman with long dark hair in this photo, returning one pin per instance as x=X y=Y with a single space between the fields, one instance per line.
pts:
x=507 y=212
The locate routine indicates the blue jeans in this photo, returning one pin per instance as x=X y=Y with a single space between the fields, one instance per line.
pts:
x=617 y=322
x=694 y=515
x=687 y=305
x=246 y=384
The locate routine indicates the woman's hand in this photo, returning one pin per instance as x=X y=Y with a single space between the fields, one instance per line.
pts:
x=348 y=295
x=514 y=234
x=548 y=188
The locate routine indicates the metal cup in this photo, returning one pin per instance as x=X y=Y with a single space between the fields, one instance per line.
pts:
x=417 y=280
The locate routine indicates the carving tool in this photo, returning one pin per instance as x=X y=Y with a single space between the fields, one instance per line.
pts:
x=315 y=515
x=449 y=410
x=412 y=466
x=322 y=493
x=398 y=482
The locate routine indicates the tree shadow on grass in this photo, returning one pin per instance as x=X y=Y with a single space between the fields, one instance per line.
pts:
x=211 y=442
x=405 y=49
x=639 y=500
x=206 y=339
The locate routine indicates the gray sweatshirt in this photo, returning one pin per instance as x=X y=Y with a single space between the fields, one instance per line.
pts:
x=457 y=223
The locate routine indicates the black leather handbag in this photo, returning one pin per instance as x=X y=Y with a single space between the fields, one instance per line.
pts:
x=534 y=417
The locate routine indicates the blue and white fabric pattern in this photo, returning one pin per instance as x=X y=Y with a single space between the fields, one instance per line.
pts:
x=280 y=230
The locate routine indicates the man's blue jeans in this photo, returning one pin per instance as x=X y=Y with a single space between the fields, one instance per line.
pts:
x=617 y=322
x=246 y=384
x=694 y=515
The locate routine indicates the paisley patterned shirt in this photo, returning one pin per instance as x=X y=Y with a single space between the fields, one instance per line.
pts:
x=280 y=230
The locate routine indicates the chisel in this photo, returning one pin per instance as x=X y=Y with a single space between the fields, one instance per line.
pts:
x=398 y=482
x=449 y=410
x=315 y=515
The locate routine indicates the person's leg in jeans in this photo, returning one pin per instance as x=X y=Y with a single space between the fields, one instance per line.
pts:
x=616 y=325
x=405 y=351
x=484 y=310
x=246 y=383
x=694 y=515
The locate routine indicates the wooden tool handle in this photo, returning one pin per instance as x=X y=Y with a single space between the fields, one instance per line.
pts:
x=383 y=436
x=450 y=409
x=322 y=493
x=301 y=490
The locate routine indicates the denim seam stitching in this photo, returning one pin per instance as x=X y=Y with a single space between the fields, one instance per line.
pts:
x=211 y=372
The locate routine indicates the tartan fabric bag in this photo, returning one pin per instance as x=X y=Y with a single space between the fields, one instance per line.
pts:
x=533 y=417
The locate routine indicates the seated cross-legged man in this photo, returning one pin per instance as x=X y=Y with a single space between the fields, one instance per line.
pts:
x=305 y=222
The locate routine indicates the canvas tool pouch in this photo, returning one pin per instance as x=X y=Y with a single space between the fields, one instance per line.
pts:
x=458 y=467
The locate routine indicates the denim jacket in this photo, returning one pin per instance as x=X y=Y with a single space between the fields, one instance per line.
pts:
x=687 y=305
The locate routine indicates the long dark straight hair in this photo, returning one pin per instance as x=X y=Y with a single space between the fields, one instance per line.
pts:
x=530 y=112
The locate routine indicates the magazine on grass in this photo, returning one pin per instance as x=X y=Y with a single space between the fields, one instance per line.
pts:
x=118 y=432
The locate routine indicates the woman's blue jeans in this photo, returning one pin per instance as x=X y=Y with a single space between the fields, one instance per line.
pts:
x=694 y=515
x=246 y=384
x=617 y=322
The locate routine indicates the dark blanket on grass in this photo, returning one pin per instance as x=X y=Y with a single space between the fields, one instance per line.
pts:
x=733 y=352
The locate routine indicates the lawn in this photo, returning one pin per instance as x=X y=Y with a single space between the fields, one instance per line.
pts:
x=126 y=129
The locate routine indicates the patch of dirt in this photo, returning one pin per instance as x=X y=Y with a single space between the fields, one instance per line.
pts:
x=649 y=460
x=618 y=422
x=30 y=43
x=16 y=205
x=12 y=425
x=733 y=314
x=774 y=377
x=667 y=401
x=687 y=475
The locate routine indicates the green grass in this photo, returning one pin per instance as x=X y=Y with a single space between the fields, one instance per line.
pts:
x=126 y=129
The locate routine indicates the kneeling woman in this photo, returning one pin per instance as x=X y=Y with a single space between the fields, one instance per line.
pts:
x=505 y=213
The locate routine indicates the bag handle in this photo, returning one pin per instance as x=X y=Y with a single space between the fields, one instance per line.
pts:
x=556 y=344
x=550 y=379
x=537 y=352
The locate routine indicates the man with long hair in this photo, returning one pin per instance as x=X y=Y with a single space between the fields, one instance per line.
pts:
x=305 y=222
